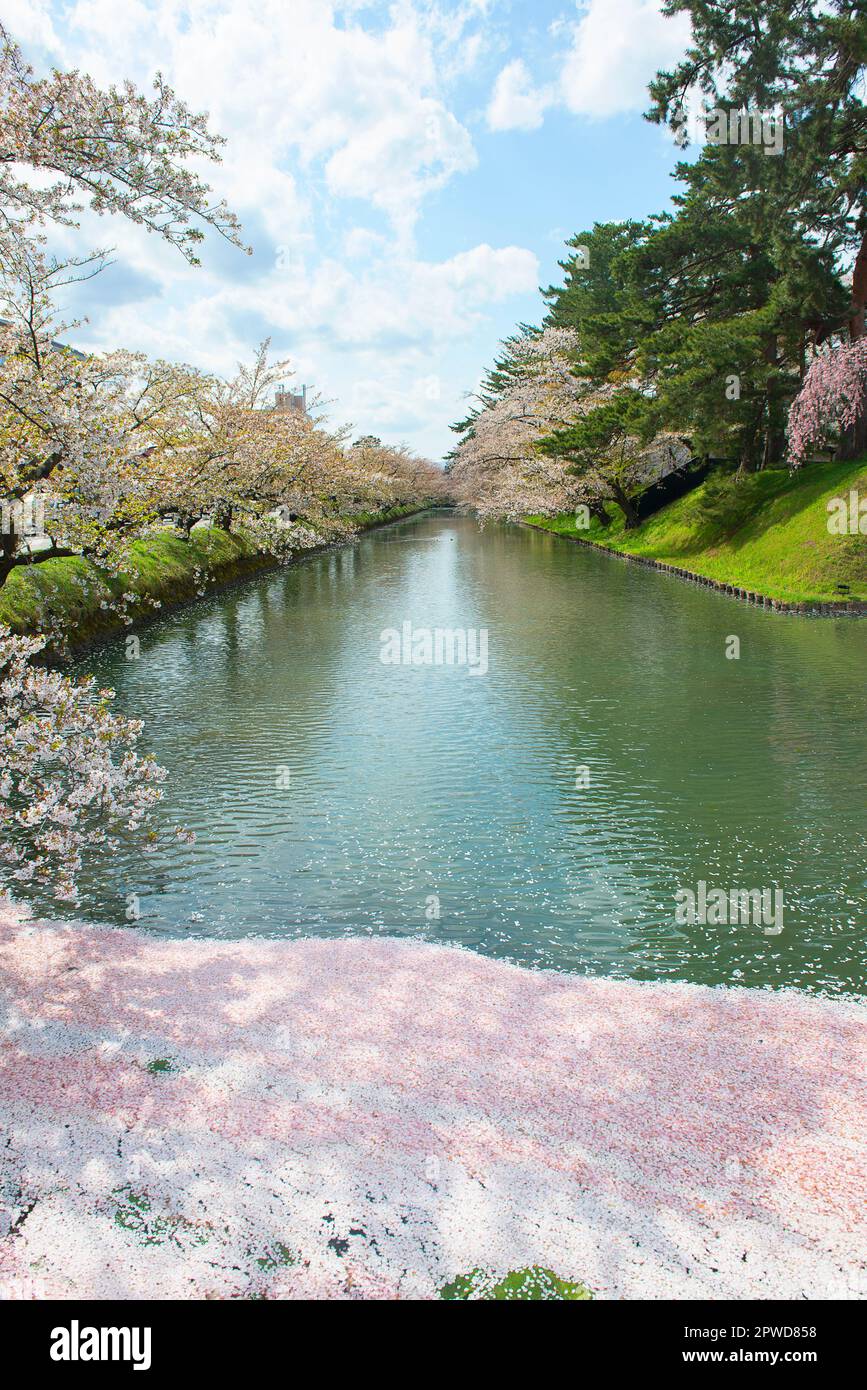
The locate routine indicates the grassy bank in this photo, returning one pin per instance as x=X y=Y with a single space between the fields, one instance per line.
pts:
x=73 y=596
x=767 y=533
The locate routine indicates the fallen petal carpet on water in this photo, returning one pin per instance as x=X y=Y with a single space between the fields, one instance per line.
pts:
x=373 y=1118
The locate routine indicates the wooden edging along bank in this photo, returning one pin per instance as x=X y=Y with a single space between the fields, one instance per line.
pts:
x=833 y=609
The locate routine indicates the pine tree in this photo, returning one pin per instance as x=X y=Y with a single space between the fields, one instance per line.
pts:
x=803 y=60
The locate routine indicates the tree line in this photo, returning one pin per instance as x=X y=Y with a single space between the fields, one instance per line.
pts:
x=731 y=327
x=98 y=448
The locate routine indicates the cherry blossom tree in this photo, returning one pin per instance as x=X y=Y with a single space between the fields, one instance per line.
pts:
x=66 y=143
x=832 y=399
x=222 y=449
x=497 y=467
x=97 y=450
x=549 y=438
x=606 y=449
x=63 y=436
x=70 y=778
x=380 y=476
x=104 y=447
x=115 y=149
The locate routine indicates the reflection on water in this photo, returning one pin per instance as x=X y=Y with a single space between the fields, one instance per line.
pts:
x=334 y=794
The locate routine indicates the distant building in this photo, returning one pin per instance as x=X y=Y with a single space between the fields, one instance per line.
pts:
x=58 y=347
x=291 y=400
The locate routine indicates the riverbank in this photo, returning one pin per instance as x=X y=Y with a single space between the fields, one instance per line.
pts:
x=366 y=1118
x=73 y=596
x=765 y=539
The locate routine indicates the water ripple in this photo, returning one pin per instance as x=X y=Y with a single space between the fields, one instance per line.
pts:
x=333 y=794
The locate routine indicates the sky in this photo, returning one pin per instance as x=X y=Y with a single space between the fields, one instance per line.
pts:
x=406 y=175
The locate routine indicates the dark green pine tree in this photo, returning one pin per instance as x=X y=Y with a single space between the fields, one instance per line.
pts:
x=805 y=60
x=732 y=287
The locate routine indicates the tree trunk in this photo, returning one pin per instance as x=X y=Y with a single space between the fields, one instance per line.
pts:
x=859 y=292
x=853 y=441
x=8 y=542
x=598 y=512
x=748 y=460
x=627 y=506
x=10 y=559
x=774 y=446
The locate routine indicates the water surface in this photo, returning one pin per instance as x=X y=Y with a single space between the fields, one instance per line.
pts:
x=332 y=794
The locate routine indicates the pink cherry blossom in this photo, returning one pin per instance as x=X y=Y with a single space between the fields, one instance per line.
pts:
x=363 y=1118
x=832 y=397
x=70 y=778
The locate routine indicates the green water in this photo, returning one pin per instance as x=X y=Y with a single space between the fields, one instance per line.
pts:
x=333 y=794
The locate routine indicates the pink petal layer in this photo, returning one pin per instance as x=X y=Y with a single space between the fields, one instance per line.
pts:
x=368 y=1118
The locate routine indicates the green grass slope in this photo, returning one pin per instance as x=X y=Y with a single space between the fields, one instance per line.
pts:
x=66 y=594
x=767 y=533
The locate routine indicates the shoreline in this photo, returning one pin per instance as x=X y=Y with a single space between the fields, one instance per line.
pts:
x=768 y=541
x=844 y=608
x=372 y=1118
x=245 y=564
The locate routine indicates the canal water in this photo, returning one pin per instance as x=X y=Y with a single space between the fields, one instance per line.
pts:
x=547 y=809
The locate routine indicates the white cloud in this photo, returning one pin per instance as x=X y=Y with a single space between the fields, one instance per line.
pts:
x=359 y=243
x=381 y=336
x=412 y=149
x=484 y=275
x=396 y=299
x=304 y=81
x=29 y=21
x=617 y=47
x=515 y=103
x=343 y=123
x=613 y=51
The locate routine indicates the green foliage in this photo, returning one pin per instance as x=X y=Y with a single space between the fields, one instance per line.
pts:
x=523 y=1285
x=727 y=500
x=66 y=594
x=806 y=59
x=706 y=309
x=713 y=305
x=277 y=1256
x=711 y=309
x=767 y=533
x=598 y=298
x=597 y=431
x=134 y=1213
x=365 y=520
x=161 y=1066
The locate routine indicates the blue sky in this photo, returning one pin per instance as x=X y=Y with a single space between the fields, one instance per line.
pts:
x=406 y=175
